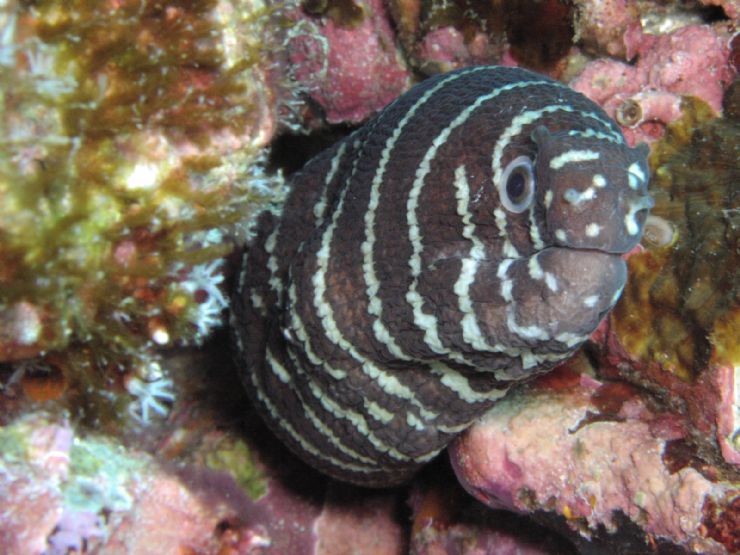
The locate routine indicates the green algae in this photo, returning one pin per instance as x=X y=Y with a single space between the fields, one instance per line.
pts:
x=115 y=187
x=235 y=458
x=689 y=289
x=99 y=476
x=13 y=446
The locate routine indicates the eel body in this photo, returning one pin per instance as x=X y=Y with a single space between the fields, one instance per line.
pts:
x=466 y=238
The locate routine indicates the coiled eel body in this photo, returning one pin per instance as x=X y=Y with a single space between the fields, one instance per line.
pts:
x=466 y=238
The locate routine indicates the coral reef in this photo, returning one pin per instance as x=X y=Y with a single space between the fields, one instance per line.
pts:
x=349 y=65
x=645 y=97
x=441 y=35
x=601 y=26
x=448 y=521
x=730 y=7
x=135 y=140
x=689 y=288
x=213 y=488
x=130 y=163
x=556 y=447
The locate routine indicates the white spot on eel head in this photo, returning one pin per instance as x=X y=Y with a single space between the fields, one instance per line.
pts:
x=560 y=235
x=535 y=270
x=616 y=296
x=599 y=181
x=591 y=301
x=572 y=196
x=593 y=229
x=551 y=281
x=631 y=224
x=635 y=176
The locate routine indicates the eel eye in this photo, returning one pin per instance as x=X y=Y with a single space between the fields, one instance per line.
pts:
x=517 y=185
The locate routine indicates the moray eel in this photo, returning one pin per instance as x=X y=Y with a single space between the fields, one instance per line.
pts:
x=465 y=239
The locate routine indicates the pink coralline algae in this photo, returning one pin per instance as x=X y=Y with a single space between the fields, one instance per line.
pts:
x=556 y=449
x=447 y=48
x=441 y=35
x=644 y=98
x=350 y=70
x=709 y=417
x=600 y=25
x=35 y=461
x=63 y=493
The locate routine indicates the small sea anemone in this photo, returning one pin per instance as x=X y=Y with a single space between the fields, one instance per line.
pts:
x=153 y=393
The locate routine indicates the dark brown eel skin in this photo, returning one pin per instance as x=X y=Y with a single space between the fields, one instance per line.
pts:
x=465 y=239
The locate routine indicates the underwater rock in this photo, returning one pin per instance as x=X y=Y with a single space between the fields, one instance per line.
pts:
x=730 y=7
x=644 y=98
x=63 y=491
x=34 y=460
x=358 y=521
x=444 y=35
x=555 y=447
x=447 y=521
x=446 y=48
x=350 y=68
x=601 y=25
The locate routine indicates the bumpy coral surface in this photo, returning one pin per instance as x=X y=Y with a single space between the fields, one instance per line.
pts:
x=645 y=97
x=349 y=65
x=447 y=521
x=545 y=449
x=443 y=35
x=601 y=25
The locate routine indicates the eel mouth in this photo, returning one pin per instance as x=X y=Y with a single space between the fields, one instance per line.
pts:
x=593 y=277
x=596 y=251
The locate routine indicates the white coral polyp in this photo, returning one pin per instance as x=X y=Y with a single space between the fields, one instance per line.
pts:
x=150 y=398
x=206 y=278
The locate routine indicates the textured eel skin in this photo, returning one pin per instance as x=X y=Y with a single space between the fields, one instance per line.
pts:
x=465 y=239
